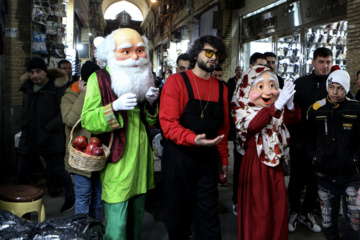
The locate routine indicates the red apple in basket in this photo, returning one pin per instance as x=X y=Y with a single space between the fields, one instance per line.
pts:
x=222 y=178
x=80 y=142
x=90 y=147
x=98 y=151
x=96 y=140
x=79 y=149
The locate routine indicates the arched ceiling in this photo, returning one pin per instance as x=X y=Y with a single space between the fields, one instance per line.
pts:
x=143 y=5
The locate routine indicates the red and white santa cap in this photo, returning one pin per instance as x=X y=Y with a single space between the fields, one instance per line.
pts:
x=341 y=77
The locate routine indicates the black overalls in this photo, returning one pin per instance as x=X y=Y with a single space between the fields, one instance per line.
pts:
x=190 y=174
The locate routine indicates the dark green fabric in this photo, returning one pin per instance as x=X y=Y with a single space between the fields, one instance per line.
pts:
x=124 y=220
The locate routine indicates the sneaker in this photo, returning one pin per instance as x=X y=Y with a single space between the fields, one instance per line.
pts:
x=293 y=220
x=310 y=222
x=235 y=209
x=69 y=205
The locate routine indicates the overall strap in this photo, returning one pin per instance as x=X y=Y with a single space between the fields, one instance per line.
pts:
x=188 y=85
x=221 y=90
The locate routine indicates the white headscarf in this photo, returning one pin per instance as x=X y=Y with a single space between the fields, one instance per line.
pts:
x=272 y=140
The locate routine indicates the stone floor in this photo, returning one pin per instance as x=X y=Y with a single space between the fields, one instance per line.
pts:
x=155 y=217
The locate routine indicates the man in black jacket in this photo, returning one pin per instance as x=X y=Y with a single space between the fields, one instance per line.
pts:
x=42 y=127
x=335 y=152
x=309 y=89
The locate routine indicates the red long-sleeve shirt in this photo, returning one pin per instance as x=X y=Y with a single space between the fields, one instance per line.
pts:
x=174 y=97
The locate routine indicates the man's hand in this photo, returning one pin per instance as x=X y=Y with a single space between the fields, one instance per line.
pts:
x=201 y=140
x=126 y=101
x=82 y=86
x=224 y=169
x=152 y=94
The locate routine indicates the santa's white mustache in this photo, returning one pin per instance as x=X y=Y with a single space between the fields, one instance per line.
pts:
x=131 y=62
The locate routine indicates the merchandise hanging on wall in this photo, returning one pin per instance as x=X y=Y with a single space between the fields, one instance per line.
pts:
x=288 y=53
x=48 y=30
x=41 y=11
x=39 y=43
x=332 y=36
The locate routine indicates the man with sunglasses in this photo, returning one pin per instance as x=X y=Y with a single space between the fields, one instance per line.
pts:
x=194 y=117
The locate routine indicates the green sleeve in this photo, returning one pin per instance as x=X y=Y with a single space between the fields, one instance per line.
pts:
x=97 y=118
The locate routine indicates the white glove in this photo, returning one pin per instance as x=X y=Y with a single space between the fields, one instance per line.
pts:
x=152 y=94
x=126 y=101
x=286 y=94
x=290 y=102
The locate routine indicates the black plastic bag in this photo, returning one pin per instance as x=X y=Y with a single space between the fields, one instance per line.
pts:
x=14 y=228
x=79 y=226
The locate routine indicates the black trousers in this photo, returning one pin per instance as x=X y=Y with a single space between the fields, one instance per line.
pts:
x=190 y=187
x=330 y=196
x=302 y=174
x=55 y=167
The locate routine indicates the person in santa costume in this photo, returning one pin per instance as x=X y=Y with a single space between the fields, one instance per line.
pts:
x=261 y=110
x=121 y=99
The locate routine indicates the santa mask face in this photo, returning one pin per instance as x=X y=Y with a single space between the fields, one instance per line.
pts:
x=128 y=63
x=129 y=45
x=263 y=91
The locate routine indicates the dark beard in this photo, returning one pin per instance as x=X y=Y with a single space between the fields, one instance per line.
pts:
x=203 y=66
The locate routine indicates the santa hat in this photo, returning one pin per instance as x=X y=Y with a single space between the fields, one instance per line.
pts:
x=334 y=68
x=341 y=77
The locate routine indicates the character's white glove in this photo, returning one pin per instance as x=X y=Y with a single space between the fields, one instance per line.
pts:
x=290 y=102
x=126 y=101
x=285 y=95
x=152 y=94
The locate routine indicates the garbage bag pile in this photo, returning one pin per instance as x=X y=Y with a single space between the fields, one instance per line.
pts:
x=79 y=226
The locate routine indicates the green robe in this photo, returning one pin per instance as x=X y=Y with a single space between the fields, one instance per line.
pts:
x=133 y=174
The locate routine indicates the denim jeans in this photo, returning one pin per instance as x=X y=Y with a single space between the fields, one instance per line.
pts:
x=55 y=167
x=88 y=194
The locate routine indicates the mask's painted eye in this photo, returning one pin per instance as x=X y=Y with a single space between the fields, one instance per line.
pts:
x=260 y=87
x=272 y=85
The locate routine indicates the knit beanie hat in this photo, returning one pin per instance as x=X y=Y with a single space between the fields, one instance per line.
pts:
x=38 y=63
x=341 y=77
x=87 y=69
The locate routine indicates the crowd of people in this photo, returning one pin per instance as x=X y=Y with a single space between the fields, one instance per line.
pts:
x=311 y=124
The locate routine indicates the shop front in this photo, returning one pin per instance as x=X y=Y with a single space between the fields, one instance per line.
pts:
x=293 y=31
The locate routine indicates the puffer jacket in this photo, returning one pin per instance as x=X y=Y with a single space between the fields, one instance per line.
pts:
x=309 y=89
x=336 y=151
x=71 y=108
x=41 y=124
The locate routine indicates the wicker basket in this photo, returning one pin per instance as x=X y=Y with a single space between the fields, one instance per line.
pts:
x=86 y=162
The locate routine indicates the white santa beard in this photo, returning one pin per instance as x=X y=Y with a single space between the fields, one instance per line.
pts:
x=128 y=79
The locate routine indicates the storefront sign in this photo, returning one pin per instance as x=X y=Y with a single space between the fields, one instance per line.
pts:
x=313 y=11
x=290 y=15
x=12 y=32
x=278 y=18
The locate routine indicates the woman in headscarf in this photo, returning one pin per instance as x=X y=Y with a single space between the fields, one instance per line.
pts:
x=260 y=112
